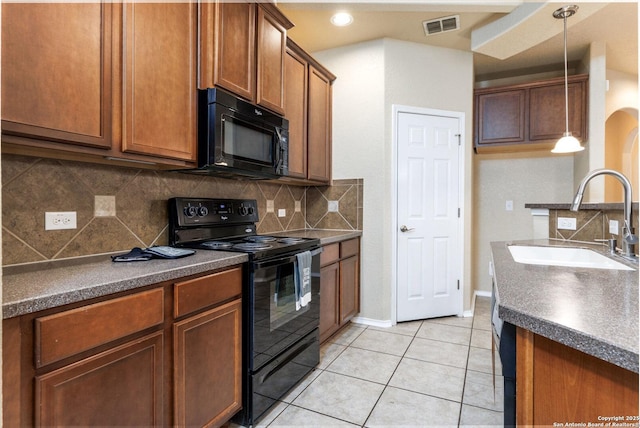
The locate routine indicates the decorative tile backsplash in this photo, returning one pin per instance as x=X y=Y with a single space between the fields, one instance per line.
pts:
x=590 y=224
x=119 y=208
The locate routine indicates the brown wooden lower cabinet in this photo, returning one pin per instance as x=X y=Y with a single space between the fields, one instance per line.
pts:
x=329 y=300
x=167 y=355
x=559 y=384
x=208 y=364
x=118 y=387
x=339 y=285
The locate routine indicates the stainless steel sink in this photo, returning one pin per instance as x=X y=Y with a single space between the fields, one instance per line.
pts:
x=564 y=256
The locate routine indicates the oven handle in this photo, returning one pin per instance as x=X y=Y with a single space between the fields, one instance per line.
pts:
x=283 y=261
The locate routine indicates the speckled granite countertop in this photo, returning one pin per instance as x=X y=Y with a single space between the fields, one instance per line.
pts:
x=37 y=286
x=592 y=310
x=584 y=206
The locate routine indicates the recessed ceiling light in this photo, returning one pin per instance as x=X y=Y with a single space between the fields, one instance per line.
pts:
x=341 y=19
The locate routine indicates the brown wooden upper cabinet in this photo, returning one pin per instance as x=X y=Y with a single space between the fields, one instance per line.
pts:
x=56 y=72
x=529 y=116
x=92 y=81
x=307 y=100
x=242 y=50
x=159 y=79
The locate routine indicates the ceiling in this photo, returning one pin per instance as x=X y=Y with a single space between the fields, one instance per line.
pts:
x=515 y=37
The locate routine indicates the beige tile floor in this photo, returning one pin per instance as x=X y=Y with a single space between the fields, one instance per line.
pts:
x=435 y=372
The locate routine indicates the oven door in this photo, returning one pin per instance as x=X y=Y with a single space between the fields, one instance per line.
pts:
x=275 y=322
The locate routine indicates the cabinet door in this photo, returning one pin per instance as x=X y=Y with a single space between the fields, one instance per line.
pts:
x=119 y=387
x=234 y=51
x=349 y=288
x=295 y=105
x=501 y=117
x=319 y=131
x=329 y=304
x=271 y=42
x=208 y=366
x=56 y=72
x=547 y=111
x=159 y=79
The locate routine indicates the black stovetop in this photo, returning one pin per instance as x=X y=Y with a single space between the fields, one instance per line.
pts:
x=227 y=225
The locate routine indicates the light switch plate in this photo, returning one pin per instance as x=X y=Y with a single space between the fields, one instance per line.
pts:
x=508 y=206
x=566 y=223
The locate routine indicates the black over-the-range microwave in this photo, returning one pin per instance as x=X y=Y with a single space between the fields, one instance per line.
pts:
x=239 y=139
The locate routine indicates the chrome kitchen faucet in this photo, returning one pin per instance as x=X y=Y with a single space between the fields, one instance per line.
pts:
x=629 y=240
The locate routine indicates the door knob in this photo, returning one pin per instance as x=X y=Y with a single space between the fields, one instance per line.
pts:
x=405 y=228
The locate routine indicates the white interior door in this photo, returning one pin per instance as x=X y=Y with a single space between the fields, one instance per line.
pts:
x=429 y=256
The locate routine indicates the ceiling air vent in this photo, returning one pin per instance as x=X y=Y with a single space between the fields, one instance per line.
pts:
x=441 y=25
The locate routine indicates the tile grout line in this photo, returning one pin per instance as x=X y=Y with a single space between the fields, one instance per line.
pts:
x=413 y=337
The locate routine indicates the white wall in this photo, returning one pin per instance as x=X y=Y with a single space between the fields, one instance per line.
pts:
x=534 y=177
x=592 y=156
x=371 y=77
x=359 y=152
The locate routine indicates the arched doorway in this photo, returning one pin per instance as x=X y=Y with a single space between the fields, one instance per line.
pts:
x=621 y=152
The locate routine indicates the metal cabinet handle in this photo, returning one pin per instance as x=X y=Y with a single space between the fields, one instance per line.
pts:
x=405 y=228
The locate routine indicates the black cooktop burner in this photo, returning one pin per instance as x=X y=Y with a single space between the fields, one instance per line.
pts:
x=251 y=246
x=216 y=245
x=259 y=238
x=290 y=241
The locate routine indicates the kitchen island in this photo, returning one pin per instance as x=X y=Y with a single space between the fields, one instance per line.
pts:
x=576 y=337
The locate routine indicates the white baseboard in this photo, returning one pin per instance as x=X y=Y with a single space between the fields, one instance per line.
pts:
x=388 y=323
x=372 y=322
x=477 y=293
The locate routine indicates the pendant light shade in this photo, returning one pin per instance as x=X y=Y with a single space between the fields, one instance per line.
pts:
x=568 y=143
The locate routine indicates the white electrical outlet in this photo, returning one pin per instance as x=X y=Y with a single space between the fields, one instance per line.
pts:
x=566 y=223
x=60 y=220
x=508 y=206
x=282 y=212
x=613 y=227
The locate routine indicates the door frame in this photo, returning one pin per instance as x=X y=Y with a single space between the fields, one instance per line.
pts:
x=397 y=110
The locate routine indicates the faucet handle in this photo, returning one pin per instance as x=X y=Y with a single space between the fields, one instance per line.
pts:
x=628 y=235
x=613 y=243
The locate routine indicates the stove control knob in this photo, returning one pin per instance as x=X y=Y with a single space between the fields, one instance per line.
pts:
x=243 y=210
x=203 y=211
x=190 y=211
x=250 y=210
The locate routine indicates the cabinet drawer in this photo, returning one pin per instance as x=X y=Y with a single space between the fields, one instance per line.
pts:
x=68 y=333
x=330 y=253
x=199 y=293
x=349 y=248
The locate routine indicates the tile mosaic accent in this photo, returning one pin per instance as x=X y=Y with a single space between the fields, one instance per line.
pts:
x=347 y=195
x=119 y=208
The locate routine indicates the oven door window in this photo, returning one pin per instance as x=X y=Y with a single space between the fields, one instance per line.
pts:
x=246 y=141
x=283 y=293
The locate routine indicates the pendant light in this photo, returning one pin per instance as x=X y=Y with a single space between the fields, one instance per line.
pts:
x=568 y=143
